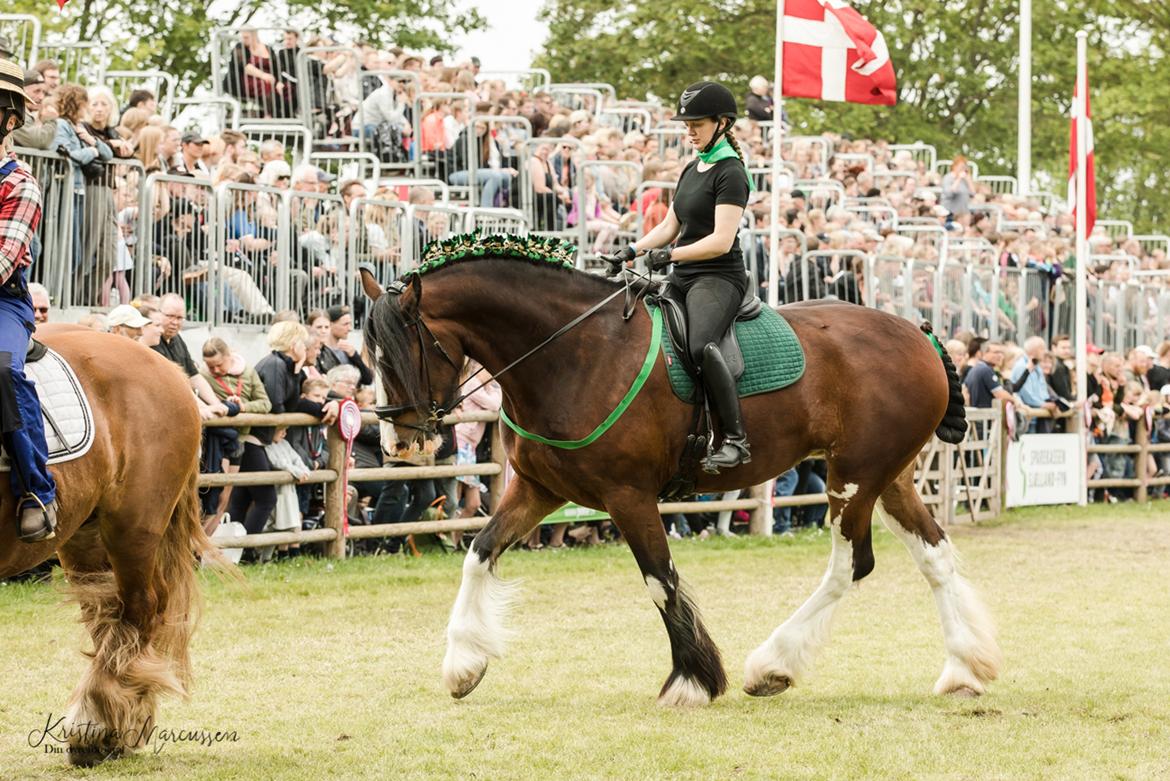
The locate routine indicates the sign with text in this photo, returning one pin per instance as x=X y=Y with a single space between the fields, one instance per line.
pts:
x=1044 y=469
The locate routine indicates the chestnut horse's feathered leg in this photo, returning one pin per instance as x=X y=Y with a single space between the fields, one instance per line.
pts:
x=475 y=631
x=973 y=655
x=140 y=610
x=787 y=655
x=696 y=676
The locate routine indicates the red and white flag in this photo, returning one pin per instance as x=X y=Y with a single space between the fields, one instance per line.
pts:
x=832 y=53
x=1082 y=117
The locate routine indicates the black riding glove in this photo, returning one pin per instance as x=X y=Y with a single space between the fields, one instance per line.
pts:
x=619 y=259
x=659 y=258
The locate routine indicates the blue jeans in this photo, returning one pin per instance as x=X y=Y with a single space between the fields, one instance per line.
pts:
x=490 y=181
x=21 y=426
x=782 y=516
x=814 y=514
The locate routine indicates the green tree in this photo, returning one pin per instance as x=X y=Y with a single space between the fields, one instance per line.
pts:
x=956 y=62
x=174 y=36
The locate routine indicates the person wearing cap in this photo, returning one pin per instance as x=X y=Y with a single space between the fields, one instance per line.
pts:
x=34 y=134
x=191 y=148
x=705 y=216
x=21 y=427
x=125 y=320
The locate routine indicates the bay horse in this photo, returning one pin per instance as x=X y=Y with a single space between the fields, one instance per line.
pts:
x=873 y=393
x=128 y=533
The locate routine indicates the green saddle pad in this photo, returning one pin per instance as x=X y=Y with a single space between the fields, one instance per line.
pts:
x=772 y=356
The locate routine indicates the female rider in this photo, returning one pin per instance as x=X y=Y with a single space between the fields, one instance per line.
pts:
x=705 y=216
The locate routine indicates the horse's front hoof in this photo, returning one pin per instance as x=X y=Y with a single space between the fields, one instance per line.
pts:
x=92 y=756
x=965 y=692
x=769 y=686
x=467 y=685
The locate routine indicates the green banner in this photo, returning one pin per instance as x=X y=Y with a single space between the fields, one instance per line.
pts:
x=575 y=513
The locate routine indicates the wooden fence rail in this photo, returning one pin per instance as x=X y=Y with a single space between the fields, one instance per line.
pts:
x=970 y=474
x=758 y=503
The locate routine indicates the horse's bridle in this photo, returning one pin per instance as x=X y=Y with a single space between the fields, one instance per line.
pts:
x=430 y=426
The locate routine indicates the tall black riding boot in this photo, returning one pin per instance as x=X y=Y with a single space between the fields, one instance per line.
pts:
x=720 y=387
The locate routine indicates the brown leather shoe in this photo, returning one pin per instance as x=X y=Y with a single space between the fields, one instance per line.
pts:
x=37 y=521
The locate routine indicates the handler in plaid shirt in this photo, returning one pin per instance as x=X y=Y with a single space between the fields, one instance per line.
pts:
x=21 y=428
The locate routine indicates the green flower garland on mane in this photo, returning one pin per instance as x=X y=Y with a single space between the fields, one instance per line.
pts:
x=469 y=246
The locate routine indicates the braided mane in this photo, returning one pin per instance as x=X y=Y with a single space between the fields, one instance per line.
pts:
x=539 y=250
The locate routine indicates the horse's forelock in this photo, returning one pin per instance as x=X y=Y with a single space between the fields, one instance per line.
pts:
x=387 y=334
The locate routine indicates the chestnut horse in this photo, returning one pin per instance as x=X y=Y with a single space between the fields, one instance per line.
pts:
x=873 y=393
x=128 y=533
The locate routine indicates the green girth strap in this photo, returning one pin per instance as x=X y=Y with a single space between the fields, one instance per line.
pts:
x=618 y=411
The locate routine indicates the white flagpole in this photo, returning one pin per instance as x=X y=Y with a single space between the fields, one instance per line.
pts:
x=1082 y=241
x=777 y=133
x=1024 y=143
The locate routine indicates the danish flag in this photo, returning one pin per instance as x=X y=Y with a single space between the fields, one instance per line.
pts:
x=1082 y=116
x=832 y=53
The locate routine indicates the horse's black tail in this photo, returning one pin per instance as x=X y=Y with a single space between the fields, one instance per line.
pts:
x=953 y=427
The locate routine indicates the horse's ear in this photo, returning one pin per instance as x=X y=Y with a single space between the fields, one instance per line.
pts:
x=369 y=283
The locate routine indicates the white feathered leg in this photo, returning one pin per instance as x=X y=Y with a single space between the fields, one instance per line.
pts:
x=475 y=632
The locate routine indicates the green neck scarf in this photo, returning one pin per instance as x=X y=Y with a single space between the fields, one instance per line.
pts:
x=721 y=151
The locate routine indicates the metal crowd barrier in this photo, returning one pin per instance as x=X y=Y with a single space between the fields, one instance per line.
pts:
x=213 y=113
x=178 y=226
x=53 y=251
x=295 y=141
x=23 y=32
x=268 y=97
x=348 y=165
x=546 y=213
x=531 y=80
x=1000 y=185
x=161 y=83
x=81 y=62
x=920 y=152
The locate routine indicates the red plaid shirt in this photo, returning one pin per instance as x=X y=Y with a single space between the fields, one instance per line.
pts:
x=20 y=214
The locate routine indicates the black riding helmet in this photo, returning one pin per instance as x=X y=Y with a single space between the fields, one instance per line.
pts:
x=708 y=99
x=13 y=98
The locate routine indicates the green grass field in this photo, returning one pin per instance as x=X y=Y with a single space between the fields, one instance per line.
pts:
x=332 y=670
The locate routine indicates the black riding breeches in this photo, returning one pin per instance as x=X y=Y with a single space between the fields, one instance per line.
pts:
x=712 y=302
x=252 y=505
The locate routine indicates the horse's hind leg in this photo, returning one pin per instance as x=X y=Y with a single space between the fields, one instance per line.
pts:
x=787 y=655
x=475 y=631
x=139 y=614
x=696 y=675
x=973 y=656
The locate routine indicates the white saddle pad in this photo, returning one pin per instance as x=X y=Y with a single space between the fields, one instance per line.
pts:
x=68 y=418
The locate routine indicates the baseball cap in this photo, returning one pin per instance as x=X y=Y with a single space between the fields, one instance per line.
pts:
x=1146 y=350
x=124 y=314
x=194 y=138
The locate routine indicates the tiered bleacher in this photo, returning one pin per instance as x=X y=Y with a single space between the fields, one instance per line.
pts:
x=313 y=156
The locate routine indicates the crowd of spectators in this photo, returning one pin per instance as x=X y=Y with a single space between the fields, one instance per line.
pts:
x=1038 y=380
x=855 y=212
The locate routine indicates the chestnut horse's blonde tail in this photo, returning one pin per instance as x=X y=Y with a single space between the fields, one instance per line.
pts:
x=138 y=654
x=184 y=543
